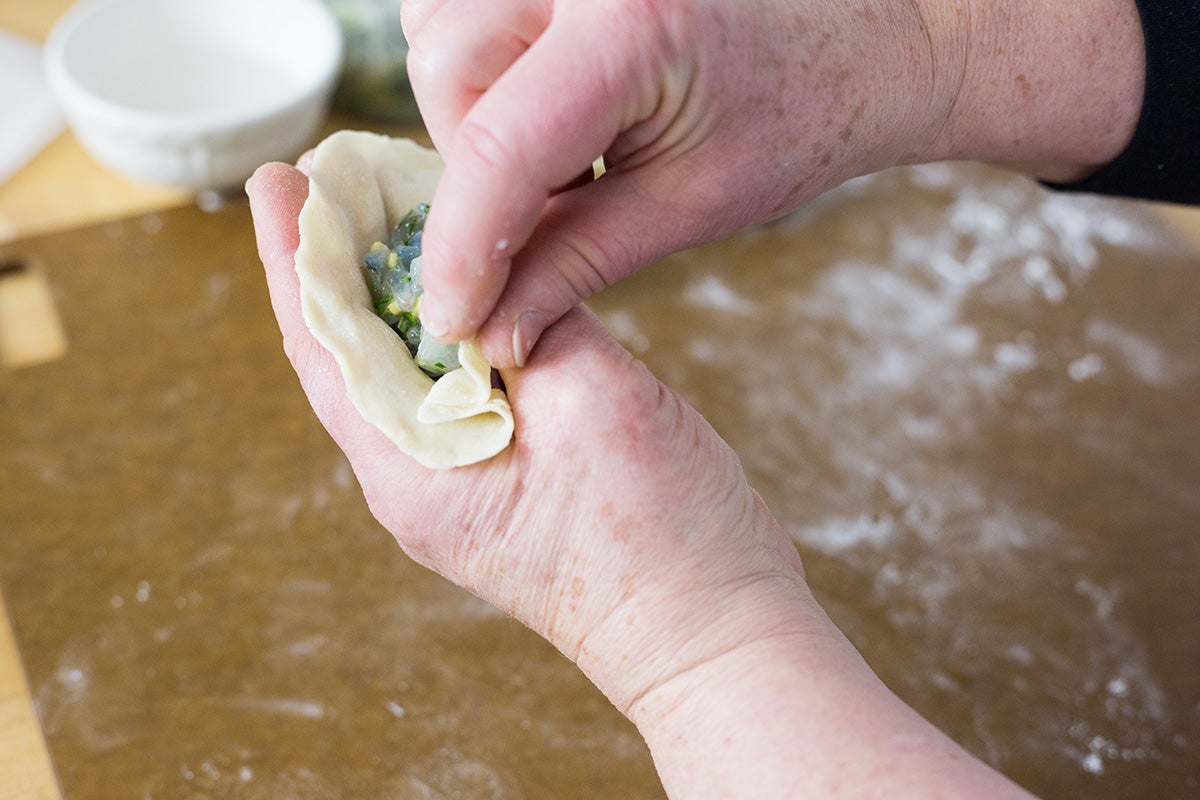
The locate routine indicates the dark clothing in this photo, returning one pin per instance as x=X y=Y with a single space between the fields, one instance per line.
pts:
x=1162 y=162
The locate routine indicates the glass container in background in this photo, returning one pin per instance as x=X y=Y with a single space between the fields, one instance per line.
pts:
x=374 y=82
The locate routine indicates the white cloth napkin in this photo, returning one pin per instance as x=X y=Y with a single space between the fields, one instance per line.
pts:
x=29 y=115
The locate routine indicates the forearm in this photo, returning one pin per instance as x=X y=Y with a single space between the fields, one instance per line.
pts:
x=1053 y=89
x=744 y=688
x=801 y=716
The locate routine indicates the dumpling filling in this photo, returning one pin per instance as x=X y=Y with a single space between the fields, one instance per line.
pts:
x=393 y=274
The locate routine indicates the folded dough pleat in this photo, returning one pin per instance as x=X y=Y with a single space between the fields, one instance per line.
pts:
x=360 y=184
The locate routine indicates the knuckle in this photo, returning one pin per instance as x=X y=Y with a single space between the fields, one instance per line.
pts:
x=422 y=62
x=588 y=266
x=486 y=145
x=413 y=16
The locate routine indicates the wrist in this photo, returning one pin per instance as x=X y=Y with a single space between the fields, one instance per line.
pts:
x=695 y=609
x=800 y=714
x=1054 y=89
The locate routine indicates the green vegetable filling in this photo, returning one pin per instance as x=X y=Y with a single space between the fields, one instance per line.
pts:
x=393 y=274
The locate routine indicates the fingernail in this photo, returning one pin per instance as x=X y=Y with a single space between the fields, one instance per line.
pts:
x=525 y=334
x=252 y=181
x=304 y=162
x=432 y=318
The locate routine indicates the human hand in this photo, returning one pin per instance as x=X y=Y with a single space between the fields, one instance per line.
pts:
x=520 y=97
x=715 y=115
x=620 y=527
x=615 y=514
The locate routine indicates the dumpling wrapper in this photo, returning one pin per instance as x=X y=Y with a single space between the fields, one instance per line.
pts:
x=360 y=185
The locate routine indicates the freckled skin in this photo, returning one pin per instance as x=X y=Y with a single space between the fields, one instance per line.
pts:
x=713 y=116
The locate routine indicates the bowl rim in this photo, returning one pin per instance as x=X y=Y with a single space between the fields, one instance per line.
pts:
x=77 y=100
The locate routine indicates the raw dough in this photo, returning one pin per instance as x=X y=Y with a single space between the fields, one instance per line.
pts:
x=360 y=184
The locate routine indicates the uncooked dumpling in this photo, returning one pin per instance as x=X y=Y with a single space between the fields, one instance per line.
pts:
x=360 y=184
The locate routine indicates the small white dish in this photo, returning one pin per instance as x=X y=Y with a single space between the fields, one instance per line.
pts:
x=194 y=94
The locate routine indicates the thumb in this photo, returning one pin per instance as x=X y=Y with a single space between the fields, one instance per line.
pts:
x=588 y=239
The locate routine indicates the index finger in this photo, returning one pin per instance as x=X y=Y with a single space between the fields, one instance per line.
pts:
x=542 y=123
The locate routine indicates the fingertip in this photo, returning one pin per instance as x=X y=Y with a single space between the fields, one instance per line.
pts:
x=259 y=177
x=578 y=339
x=564 y=339
x=508 y=340
x=433 y=318
x=275 y=181
x=468 y=254
x=525 y=334
x=460 y=290
x=277 y=193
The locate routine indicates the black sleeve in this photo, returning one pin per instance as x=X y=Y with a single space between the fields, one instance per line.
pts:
x=1162 y=162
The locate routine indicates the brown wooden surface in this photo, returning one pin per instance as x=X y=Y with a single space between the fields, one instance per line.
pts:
x=204 y=604
x=61 y=190
x=988 y=464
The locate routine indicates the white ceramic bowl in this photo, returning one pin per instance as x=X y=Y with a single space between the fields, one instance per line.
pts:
x=194 y=93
